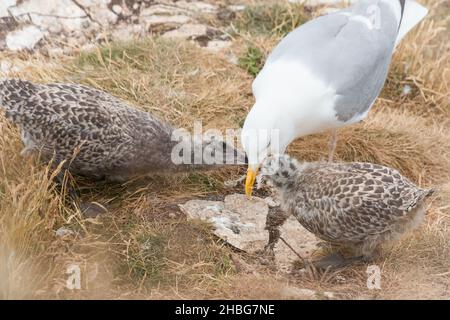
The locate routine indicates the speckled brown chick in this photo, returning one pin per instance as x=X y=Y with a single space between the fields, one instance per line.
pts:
x=99 y=135
x=358 y=205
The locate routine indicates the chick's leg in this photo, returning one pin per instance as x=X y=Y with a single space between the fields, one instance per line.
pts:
x=275 y=219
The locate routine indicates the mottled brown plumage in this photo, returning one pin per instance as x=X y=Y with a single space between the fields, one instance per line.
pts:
x=354 y=204
x=98 y=135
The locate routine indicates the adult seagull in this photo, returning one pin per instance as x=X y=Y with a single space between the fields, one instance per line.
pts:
x=324 y=75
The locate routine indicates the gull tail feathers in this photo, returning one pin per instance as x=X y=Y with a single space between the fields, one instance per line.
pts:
x=412 y=15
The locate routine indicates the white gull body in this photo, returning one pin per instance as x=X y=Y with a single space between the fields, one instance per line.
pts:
x=325 y=74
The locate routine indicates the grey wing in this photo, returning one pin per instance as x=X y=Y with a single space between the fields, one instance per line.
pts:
x=125 y=116
x=345 y=54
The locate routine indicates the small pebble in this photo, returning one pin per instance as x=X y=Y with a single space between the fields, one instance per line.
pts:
x=271 y=202
x=62 y=232
x=406 y=90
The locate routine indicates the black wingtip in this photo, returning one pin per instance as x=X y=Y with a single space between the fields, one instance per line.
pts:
x=402 y=5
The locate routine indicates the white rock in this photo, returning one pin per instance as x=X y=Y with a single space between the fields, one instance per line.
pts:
x=55 y=28
x=197 y=6
x=88 y=47
x=62 y=232
x=90 y=3
x=100 y=12
x=24 y=38
x=271 y=202
x=117 y=9
x=241 y=222
x=186 y=31
x=126 y=32
x=106 y=17
x=53 y=52
x=4 y=5
x=237 y=7
x=161 y=9
x=46 y=14
x=157 y=20
x=138 y=29
x=406 y=90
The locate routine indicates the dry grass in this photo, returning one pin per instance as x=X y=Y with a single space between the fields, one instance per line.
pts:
x=146 y=249
x=29 y=210
x=271 y=19
x=176 y=81
x=423 y=62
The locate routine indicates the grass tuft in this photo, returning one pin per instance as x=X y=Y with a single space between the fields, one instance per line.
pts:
x=274 y=19
x=252 y=60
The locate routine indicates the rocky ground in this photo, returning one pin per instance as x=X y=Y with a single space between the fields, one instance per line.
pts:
x=241 y=222
x=62 y=27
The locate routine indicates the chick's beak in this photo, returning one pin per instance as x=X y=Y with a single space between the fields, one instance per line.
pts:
x=250 y=181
